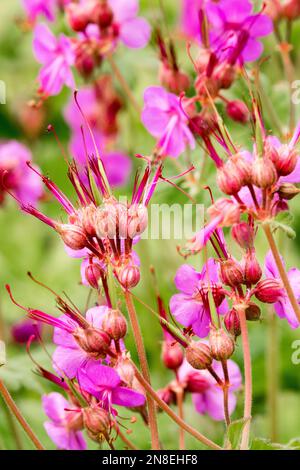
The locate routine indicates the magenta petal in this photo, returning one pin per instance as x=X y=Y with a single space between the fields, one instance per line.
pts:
x=54 y=405
x=44 y=43
x=96 y=376
x=65 y=439
x=135 y=33
x=68 y=361
x=154 y=120
x=185 y=309
x=126 y=397
x=124 y=9
x=270 y=266
x=199 y=403
x=187 y=279
x=118 y=168
x=252 y=51
x=215 y=404
x=201 y=326
x=95 y=315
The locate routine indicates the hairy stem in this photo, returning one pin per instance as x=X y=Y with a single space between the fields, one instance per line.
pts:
x=281 y=270
x=144 y=366
x=225 y=392
x=248 y=378
x=17 y=413
x=272 y=376
x=189 y=429
x=179 y=399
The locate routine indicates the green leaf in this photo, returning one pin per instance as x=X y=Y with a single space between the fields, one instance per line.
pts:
x=265 y=444
x=283 y=221
x=234 y=433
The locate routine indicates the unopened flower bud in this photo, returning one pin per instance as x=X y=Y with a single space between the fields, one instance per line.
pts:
x=228 y=209
x=243 y=234
x=288 y=191
x=175 y=81
x=269 y=290
x=231 y=272
x=97 y=421
x=94 y=341
x=196 y=382
x=102 y=15
x=198 y=355
x=114 y=324
x=107 y=220
x=167 y=395
x=77 y=16
x=129 y=276
x=291 y=9
x=285 y=160
x=224 y=75
x=238 y=111
x=252 y=269
x=137 y=220
x=252 y=312
x=93 y=274
x=172 y=355
x=264 y=173
x=125 y=371
x=88 y=219
x=73 y=236
x=229 y=179
x=232 y=323
x=221 y=345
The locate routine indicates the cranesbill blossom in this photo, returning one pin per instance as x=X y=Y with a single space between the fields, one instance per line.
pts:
x=16 y=176
x=65 y=422
x=283 y=307
x=69 y=357
x=191 y=306
x=132 y=30
x=206 y=393
x=105 y=384
x=165 y=119
x=56 y=55
x=35 y=8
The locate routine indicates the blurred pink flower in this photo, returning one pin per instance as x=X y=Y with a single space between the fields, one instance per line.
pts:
x=16 y=176
x=35 y=8
x=24 y=330
x=165 y=119
x=206 y=393
x=65 y=423
x=133 y=30
x=56 y=54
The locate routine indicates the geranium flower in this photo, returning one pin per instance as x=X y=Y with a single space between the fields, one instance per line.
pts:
x=35 y=8
x=65 y=424
x=191 y=306
x=207 y=395
x=16 y=176
x=57 y=56
x=104 y=383
x=283 y=307
x=165 y=119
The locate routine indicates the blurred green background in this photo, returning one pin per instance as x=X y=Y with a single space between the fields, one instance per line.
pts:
x=28 y=245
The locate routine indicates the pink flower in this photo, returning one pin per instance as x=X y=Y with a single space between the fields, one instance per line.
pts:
x=191 y=306
x=24 y=330
x=104 y=383
x=35 y=8
x=133 y=30
x=16 y=176
x=164 y=118
x=68 y=357
x=206 y=393
x=283 y=307
x=65 y=424
x=57 y=56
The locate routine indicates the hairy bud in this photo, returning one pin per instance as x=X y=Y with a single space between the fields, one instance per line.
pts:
x=72 y=235
x=102 y=15
x=252 y=312
x=252 y=269
x=264 y=173
x=94 y=341
x=221 y=345
x=129 y=276
x=288 y=191
x=232 y=323
x=238 y=111
x=174 y=80
x=198 y=355
x=97 y=421
x=88 y=219
x=231 y=272
x=243 y=235
x=93 y=274
x=269 y=291
x=285 y=160
x=114 y=324
x=172 y=355
x=228 y=209
x=137 y=220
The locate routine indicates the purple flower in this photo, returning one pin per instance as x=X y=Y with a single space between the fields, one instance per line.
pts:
x=191 y=306
x=132 y=30
x=235 y=28
x=190 y=17
x=104 y=383
x=57 y=56
x=283 y=307
x=117 y=165
x=35 y=8
x=68 y=357
x=165 y=119
x=24 y=330
x=65 y=424
x=206 y=393
x=16 y=176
